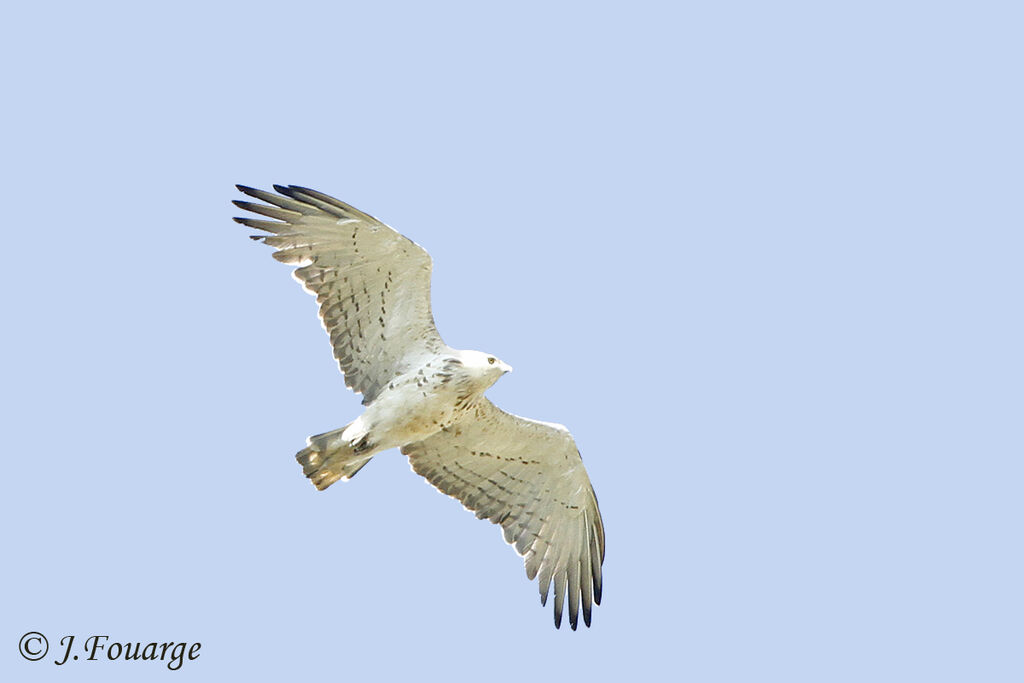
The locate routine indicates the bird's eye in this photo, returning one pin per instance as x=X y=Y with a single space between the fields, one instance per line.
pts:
x=490 y=361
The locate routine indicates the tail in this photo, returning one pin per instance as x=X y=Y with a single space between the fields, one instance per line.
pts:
x=329 y=457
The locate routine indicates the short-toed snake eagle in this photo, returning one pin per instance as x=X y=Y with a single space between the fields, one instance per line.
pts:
x=422 y=396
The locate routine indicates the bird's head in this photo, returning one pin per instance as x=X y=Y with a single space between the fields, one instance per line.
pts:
x=484 y=366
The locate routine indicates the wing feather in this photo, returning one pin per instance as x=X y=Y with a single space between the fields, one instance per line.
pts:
x=560 y=581
x=586 y=581
x=268 y=211
x=528 y=477
x=278 y=200
x=371 y=283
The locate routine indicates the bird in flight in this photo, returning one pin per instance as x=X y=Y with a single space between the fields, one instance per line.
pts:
x=372 y=286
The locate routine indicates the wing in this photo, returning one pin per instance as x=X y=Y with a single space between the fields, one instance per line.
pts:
x=372 y=284
x=528 y=477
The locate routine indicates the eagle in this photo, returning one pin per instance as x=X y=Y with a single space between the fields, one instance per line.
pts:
x=372 y=286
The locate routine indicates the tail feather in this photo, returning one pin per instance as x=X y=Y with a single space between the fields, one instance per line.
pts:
x=329 y=457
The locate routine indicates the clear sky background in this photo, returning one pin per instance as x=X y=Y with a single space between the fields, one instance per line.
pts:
x=764 y=260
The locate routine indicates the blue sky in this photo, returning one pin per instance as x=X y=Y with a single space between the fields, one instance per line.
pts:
x=764 y=260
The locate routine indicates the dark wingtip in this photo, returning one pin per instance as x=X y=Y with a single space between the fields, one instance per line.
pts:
x=245 y=189
x=558 y=619
x=282 y=189
x=251 y=223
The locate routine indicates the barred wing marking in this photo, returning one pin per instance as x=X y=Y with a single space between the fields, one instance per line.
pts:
x=528 y=477
x=372 y=283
